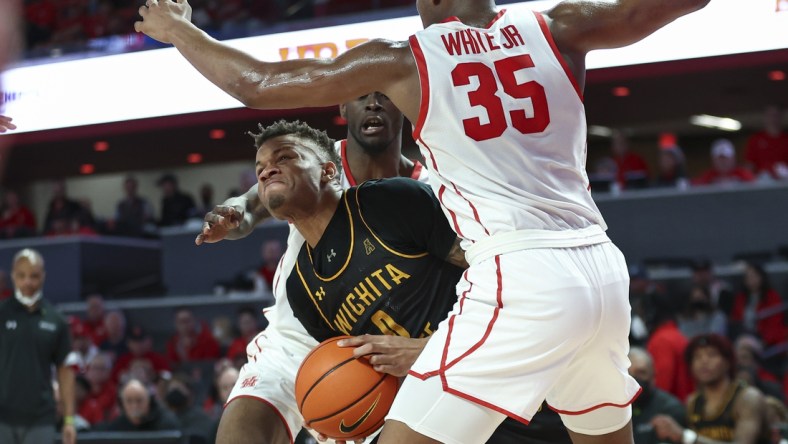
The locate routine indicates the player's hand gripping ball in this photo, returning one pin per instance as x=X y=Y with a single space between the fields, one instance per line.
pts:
x=341 y=396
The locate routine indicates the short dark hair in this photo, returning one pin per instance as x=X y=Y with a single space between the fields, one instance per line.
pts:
x=300 y=129
x=720 y=343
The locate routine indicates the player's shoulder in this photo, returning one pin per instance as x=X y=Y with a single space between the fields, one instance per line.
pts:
x=393 y=185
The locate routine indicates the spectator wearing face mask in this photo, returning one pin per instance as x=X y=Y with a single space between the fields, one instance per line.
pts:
x=179 y=398
x=652 y=401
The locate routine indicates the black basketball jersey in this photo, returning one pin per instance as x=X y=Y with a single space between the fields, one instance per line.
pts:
x=722 y=425
x=379 y=266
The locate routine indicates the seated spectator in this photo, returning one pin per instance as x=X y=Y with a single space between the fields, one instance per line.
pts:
x=247 y=328
x=722 y=409
x=83 y=350
x=632 y=171
x=115 y=327
x=723 y=166
x=176 y=206
x=604 y=177
x=759 y=309
x=667 y=345
x=192 y=340
x=179 y=397
x=102 y=390
x=140 y=353
x=749 y=352
x=719 y=290
x=16 y=220
x=87 y=407
x=206 y=199
x=641 y=291
x=62 y=211
x=133 y=214
x=223 y=383
x=700 y=316
x=652 y=401
x=140 y=411
x=672 y=169
x=766 y=152
x=271 y=253
x=94 y=318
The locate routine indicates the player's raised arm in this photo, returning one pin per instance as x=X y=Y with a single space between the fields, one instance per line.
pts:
x=377 y=65
x=584 y=25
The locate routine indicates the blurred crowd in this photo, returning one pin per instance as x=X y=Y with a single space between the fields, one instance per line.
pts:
x=58 y=26
x=127 y=382
x=764 y=160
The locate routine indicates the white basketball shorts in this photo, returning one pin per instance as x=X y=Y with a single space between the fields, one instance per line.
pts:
x=536 y=324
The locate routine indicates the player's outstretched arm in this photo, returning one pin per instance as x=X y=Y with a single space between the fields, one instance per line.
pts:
x=377 y=65
x=6 y=124
x=387 y=354
x=580 y=26
x=234 y=219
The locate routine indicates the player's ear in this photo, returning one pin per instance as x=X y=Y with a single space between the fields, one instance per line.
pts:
x=329 y=171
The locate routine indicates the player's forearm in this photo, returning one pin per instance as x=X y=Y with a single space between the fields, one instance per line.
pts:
x=65 y=379
x=254 y=213
x=234 y=71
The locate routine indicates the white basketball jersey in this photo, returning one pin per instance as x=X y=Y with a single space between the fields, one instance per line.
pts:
x=281 y=319
x=502 y=128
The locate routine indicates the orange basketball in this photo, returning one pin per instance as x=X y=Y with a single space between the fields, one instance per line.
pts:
x=340 y=396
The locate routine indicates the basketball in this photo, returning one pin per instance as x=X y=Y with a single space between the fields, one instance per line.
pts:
x=340 y=396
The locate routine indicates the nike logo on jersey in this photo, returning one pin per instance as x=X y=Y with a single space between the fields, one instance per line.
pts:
x=348 y=429
x=332 y=255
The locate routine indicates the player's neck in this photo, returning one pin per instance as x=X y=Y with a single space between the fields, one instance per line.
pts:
x=717 y=389
x=478 y=14
x=312 y=224
x=388 y=163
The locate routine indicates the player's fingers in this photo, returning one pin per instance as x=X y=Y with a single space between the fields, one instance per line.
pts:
x=355 y=341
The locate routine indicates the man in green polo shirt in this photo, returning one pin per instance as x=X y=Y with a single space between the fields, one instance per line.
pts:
x=33 y=338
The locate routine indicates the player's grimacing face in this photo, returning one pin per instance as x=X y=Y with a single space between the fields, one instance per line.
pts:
x=286 y=168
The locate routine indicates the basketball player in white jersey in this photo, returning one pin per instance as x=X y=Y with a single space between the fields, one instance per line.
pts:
x=262 y=407
x=543 y=310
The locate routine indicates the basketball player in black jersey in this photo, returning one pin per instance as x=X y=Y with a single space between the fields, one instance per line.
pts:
x=368 y=156
x=379 y=258
x=722 y=409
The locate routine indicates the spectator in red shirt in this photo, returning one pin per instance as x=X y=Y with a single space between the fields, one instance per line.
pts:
x=82 y=348
x=759 y=309
x=271 y=252
x=767 y=150
x=140 y=347
x=17 y=220
x=667 y=345
x=632 y=168
x=192 y=341
x=94 y=319
x=248 y=328
x=115 y=327
x=102 y=392
x=724 y=169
